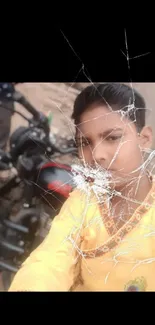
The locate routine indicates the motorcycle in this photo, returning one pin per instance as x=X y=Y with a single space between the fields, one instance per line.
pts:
x=40 y=186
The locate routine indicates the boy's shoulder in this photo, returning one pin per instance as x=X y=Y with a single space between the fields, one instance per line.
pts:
x=83 y=196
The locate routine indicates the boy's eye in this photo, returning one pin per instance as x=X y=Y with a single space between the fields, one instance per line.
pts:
x=113 y=138
x=82 y=143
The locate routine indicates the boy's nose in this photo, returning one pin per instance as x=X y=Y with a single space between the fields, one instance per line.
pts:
x=100 y=156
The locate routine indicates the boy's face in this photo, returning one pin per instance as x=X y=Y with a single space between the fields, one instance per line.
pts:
x=110 y=140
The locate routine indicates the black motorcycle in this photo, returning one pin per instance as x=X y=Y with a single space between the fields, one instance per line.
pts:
x=40 y=186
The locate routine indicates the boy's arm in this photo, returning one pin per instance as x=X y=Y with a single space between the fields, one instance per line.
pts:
x=51 y=266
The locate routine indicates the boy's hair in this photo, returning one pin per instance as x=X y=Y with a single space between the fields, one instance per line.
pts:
x=118 y=96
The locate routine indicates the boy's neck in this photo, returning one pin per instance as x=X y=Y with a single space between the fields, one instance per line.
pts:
x=131 y=198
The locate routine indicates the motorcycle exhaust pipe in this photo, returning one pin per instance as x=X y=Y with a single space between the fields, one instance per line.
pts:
x=15 y=226
x=12 y=247
x=8 y=267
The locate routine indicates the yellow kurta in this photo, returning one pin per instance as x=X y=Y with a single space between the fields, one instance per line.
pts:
x=79 y=254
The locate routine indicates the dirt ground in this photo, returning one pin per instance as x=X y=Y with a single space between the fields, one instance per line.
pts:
x=57 y=98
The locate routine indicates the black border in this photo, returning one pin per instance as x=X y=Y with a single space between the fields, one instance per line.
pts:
x=49 y=56
x=86 y=306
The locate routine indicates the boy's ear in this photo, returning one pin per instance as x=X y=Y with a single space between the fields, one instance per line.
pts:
x=146 y=137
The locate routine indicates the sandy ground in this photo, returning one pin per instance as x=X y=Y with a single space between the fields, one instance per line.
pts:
x=49 y=97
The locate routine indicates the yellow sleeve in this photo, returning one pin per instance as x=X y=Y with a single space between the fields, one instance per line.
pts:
x=51 y=266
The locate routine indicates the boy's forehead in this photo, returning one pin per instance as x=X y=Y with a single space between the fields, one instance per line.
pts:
x=101 y=119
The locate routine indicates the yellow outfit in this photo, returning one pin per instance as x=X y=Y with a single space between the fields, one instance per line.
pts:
x=80 y=254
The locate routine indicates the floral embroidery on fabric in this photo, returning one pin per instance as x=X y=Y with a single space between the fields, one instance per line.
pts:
x=139 y=284
x=116 y=239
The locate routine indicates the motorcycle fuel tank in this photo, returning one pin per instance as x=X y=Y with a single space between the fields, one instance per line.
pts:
x=55 y=182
